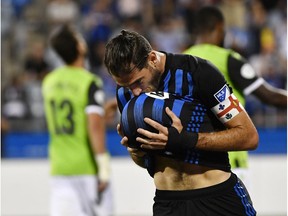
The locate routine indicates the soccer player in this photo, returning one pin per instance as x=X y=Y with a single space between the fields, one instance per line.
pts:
x=210 y=31
x=203 y=184
x=80 y=163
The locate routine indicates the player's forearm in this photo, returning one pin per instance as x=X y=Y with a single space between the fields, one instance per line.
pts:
x=229 y=140
x=234 y=139
x=240 y=135
x=97 y=133
x=271 y=95
x=279 y=99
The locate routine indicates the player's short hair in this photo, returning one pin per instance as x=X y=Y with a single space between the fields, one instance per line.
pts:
x=207 y=18
x=64 y=41
x=125 y=52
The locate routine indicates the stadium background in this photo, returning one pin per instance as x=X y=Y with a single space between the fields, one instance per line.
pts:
x=257 y=29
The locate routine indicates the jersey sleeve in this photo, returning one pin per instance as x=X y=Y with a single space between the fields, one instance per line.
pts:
x=215 y=93
x=211 y=87
x=96 y=98
x=242 y=74
x=123 y=95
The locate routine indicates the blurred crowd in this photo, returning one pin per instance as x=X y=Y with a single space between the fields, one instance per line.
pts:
x=255 y=28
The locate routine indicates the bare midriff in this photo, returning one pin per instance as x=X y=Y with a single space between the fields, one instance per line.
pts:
x=177 y=175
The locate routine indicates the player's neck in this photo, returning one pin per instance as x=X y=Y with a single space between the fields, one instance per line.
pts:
x=79 y=62
x=207 y=39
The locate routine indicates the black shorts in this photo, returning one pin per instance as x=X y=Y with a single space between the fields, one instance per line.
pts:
x=229 y=198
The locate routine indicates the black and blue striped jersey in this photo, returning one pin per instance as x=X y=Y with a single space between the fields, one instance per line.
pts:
x=193 y=114
x=200 y=87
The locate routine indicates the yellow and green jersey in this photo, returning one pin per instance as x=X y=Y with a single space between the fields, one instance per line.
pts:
x=68 y=92
x=238 y=74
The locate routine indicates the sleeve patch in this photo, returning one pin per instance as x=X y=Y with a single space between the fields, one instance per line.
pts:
x=99 y=97
x=227 y=109
x=222 y=94
x=247 y=71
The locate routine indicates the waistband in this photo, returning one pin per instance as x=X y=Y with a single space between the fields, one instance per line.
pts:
x=217 y=189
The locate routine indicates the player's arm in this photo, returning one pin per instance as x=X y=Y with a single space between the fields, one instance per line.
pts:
x=270 y=95
x=111 y=110
x=246 y=79
x=97 y=133
x=241 y=133
x=137 y=155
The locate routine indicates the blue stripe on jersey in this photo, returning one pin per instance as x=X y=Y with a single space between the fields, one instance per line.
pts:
x=157 y=110
x=180 y=76
x=166 y=83
x=190 y=80
x=242 y=193
x=177 y=107
x=131 y=95
x=178 y=81
x=121 y=96
x=138 y=111
x=125 y=123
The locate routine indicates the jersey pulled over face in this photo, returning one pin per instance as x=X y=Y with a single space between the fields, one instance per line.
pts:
x=193 y=114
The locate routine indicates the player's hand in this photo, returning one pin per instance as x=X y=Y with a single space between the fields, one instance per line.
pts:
x=119 y=130
x=104 y=170
x=176 y=122
x=136 y=152
x=102 y=185
x=124 y=140
x=110 y=110
x=158 y=140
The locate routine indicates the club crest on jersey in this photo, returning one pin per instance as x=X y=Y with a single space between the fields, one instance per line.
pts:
x=222 y=94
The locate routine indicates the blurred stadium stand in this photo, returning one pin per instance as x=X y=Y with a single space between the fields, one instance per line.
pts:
x=255 y=28
x=34 y=145
x=260 y=35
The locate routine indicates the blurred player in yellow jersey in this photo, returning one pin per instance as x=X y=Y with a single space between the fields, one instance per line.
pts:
x=210 y=29
x=80 y=163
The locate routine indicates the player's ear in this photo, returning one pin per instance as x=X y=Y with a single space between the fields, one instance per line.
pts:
x=152 y=59
x=82 y=48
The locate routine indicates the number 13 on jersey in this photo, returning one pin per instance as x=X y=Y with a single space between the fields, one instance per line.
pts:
x=62 y=116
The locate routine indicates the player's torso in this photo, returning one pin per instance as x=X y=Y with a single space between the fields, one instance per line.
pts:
x=178 y=175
